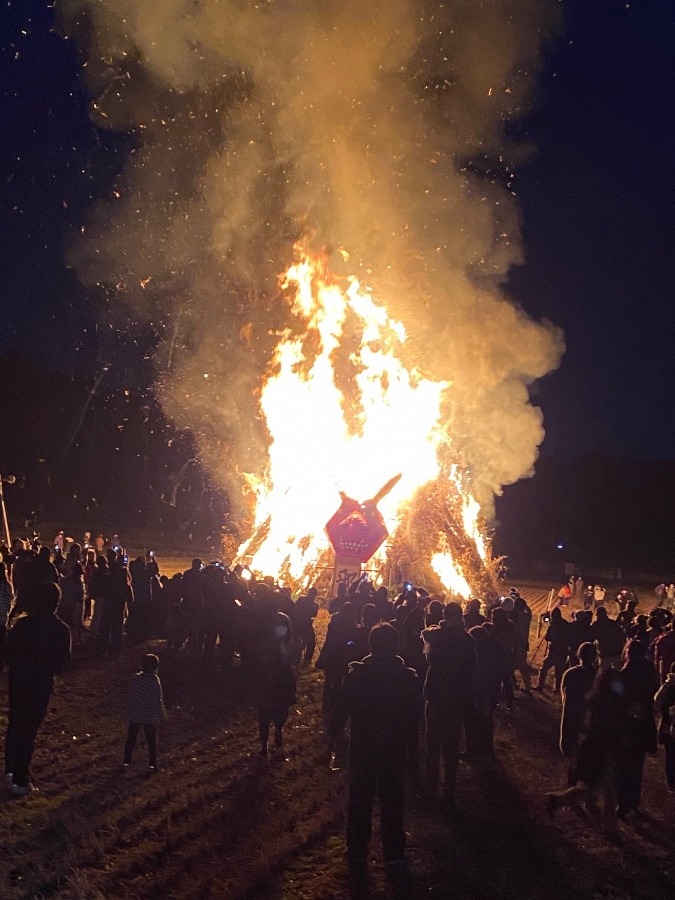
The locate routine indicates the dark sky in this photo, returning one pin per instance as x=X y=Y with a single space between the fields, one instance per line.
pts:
x=597 y=204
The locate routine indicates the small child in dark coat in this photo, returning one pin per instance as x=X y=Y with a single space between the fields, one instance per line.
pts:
x=146 y=708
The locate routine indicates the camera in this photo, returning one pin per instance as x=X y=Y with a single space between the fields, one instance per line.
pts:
x=546 y=616
x=407 y=585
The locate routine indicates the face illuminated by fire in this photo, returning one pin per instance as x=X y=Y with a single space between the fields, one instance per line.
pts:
x=344 y=413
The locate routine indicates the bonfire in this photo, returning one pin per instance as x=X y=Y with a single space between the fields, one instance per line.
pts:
x=346 y=410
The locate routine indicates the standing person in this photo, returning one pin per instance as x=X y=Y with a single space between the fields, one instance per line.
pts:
x=597 y=759
x=369 y=620
x=71 y=607
x=564 y=595
x=664 y=652
x=276 y=685
x=558 y=639
x=599 y=594
x=449 y=692
x=609 y=637
x=40 y=569
x=434 y=614
x=336 y=654
x=473 y=617
x=193 y=604
x=306 y=610
x=140 y=580
x=410 y=631
x=340 y=598
x=146 y=708
x=382 y=697
x=89 y=569
x=73 y=560
x=22 y=574
x=120 y=597
x=577 y=684
x=383 y=604
x=580 y=632
x=640 y=683
x=588 y=597
x=627 y=615
x=138 y=625
x=664 y=702
x=522 y=616
x=480 y=724
x=37 y=647
x=506 y=635
x=670 y=596
x=99 y=589
x=6 y=600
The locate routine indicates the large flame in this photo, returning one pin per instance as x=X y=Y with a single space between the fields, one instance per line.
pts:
x=344 y=413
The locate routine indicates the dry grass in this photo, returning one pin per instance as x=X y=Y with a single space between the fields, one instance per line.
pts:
x=217 y=821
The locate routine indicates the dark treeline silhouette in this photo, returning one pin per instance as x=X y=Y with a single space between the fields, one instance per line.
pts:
x=121 y=467
x=606 y=510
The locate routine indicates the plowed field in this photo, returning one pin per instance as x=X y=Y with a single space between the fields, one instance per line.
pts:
x=218 y=821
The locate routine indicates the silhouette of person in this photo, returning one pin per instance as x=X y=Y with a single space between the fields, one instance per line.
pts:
x=382 y=698
x=37 y=647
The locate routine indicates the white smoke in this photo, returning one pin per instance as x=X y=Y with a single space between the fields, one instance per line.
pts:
x=378 y=127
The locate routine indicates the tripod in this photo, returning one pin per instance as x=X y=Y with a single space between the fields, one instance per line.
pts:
x=536 y=649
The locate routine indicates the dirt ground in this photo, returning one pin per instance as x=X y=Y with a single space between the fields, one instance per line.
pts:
x=218 y=821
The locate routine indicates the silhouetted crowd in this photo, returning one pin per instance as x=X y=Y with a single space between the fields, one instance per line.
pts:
x=417 y=680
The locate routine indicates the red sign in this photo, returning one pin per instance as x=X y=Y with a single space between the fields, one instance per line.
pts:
x=357 y=529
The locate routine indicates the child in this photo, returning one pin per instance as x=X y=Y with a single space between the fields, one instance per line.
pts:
x=146 y=708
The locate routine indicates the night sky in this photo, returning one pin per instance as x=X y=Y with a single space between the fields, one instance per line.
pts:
x=596 y=199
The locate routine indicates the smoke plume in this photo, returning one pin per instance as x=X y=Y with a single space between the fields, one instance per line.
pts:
x=378 y=127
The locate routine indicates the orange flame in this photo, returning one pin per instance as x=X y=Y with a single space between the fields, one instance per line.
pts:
x=344 y=414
